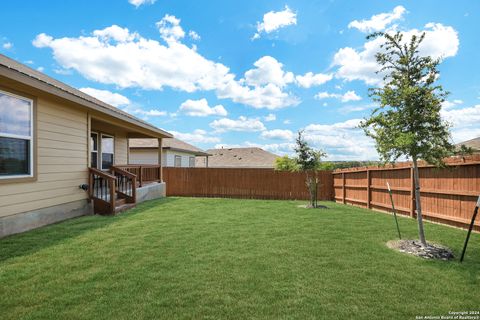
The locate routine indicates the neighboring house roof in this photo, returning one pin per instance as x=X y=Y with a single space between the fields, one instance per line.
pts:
x=473 y=143
x=241 y=158
x=19 y=72
x=168 y=144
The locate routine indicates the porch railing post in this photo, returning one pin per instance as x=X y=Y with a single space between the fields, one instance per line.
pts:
x=112 y=195
x=141 y=177
x=134 y=189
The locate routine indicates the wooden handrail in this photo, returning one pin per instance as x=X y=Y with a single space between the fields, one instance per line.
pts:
x=105 y=188
x=102 y=191
x=124 y=172
x=102 y=174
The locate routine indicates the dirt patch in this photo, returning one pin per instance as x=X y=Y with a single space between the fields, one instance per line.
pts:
x=414 y=247
x=308 y=206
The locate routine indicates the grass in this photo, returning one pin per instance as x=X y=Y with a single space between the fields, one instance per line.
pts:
x=219 y=258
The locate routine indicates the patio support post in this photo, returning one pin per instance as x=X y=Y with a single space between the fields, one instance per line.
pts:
x=160 y=159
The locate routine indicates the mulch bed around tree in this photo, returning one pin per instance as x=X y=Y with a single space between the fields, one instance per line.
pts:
x=414 y=247
x=309 y=206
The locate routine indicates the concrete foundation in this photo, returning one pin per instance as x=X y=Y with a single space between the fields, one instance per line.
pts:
x=34 y=219
x=151 y=191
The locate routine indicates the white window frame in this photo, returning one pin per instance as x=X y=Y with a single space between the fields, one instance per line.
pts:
x=29 y=138
x=191 y=162
x=101 y=150
x=98 y=147
x=175 y=161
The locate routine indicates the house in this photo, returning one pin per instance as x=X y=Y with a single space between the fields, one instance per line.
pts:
x=473 y=143
x=176 y=153
x=64 y=153
x=239 y=158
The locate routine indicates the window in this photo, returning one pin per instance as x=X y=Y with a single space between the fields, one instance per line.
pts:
x=107 y=151
x=16 y=136
x=191 y=162
x=94 y=150
x=178 y=161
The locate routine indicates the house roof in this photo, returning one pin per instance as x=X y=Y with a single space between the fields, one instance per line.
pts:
x=168 y=144
x=473 y=143
x=19 y=72
x=241 y=158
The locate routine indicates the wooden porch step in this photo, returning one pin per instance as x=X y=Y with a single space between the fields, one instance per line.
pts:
x=123 y=207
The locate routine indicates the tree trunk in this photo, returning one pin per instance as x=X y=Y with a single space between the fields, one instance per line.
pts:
x=416 y=179
x=310 y=183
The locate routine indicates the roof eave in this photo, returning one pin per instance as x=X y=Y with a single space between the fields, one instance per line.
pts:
x=46 y=87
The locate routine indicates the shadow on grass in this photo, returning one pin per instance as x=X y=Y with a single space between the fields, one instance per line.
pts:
x=29 y=242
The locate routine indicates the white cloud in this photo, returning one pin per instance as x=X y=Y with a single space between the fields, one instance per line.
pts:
x=378 y=22
x=440 y=42
x=7 y=45
x=193 y=35
x=197 y=136
x=341 y=141
x=145 y=114
x=310 y=79
x=464 y=122
x=268 y=71
x=278 y=134
x=114 y=99
x=270 y=117
x=346 y=97
x=200 y=108
x=115 y=55
x=136 y=62
x=138 y=3
x=41 y=69
x=170 y=29
x=270 y=96
x=446 y=105
x=275 y=20
x=115 y=33
x=241 y=124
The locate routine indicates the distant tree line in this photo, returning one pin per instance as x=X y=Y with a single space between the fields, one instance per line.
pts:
x=287 y=163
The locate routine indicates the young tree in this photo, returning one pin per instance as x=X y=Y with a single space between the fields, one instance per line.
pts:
x=286 y=163
x=309 y=161
x=407 y=121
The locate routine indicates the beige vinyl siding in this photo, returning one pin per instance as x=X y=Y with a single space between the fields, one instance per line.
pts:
x=143 y=156
x=61 y=162
x=121 y=148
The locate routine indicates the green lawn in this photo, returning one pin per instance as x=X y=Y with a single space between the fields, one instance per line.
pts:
x=239 y=259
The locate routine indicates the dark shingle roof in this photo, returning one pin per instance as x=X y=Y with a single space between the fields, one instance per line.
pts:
x=240 y=158
x=167 y=143
x=7 y=64
x=473 y=143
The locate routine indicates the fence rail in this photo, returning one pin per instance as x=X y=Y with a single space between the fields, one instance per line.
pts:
x=448 y=195
x=243 y=183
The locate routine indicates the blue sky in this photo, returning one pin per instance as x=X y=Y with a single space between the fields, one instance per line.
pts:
x=245 y=73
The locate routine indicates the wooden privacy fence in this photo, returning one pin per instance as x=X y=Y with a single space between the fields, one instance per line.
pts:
x=243 y=183
x=448 y=195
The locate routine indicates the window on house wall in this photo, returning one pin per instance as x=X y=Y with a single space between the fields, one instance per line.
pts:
x=178 y=161
x=191 y=162
x=107 y=150
x=94 y=150
x=16 y=136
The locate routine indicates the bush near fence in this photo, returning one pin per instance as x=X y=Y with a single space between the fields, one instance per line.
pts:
x=448 y=195
x=243 y=183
